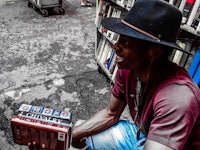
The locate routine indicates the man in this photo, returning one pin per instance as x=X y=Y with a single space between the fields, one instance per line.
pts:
x=163 y=100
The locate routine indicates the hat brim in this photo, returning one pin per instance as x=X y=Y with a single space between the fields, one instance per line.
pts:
x=115 y=25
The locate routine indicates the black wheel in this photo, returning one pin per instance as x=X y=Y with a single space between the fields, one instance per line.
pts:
x=29 y=4
x=61 y=10
x=44 y=12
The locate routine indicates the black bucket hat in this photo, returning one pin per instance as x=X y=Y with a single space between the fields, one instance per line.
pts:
x=151 y=20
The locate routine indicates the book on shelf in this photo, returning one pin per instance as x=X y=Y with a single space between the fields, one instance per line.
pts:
x=107 y=59
x=193 y=13
x=106 y=9
x=186 y=56
x=110 y=9
x=177 y=3
x=171 y=2
x=198 y=28
x=178 y=54
x=187 y=46
x=114 y=73
x=121 y=3
x=116 y=13
x=106 y=53
x=100 y=47
x=108 y=14
x=111 y=60
x=187 y=10
x=196 y=21
x=99 y=13
x=181 y=6
x=102 y=12
x=130 y=3
x=179 y=57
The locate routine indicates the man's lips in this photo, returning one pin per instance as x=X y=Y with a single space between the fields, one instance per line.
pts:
x=119 y=59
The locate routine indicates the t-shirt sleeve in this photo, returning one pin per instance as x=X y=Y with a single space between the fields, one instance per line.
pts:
x=118 y=89
x=175 y=111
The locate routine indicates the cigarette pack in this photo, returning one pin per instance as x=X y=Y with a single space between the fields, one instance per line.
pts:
x=42 y=128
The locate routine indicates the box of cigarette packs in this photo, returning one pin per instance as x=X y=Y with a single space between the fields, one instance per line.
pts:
x=42 y=128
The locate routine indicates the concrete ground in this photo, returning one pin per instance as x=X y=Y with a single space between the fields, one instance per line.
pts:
x=48 y=61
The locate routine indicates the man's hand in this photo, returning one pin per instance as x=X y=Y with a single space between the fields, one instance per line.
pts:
x=79 y=143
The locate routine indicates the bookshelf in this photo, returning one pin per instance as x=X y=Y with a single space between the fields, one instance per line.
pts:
x=189 y=32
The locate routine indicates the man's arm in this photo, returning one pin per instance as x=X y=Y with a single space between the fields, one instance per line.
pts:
x=151 y=145
x=99 y=122
x=175 y=112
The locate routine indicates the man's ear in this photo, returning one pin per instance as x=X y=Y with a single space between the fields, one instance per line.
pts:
x=155 y=51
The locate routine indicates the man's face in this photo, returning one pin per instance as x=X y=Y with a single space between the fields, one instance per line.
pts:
x=131 y=53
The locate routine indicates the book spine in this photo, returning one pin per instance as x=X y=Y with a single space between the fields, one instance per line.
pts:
x=185 y=56
x=177 y=3
x=110 y=59
x=171 y=2
x=101 y=48
x=181 y=7
x=130 y=3
x=187 y=9
x=114 y=73
x=110 y=11
x=113 y=64
x=193 y=12
x=99 y=13
x=178 y=54
x=198 y=28
x=105 y=52
x=177 y=57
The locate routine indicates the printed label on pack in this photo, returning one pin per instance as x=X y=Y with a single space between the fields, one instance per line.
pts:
x=36 y=109
x=56 y=113
x=47 y=111
x=65 y=115
x=25 y=107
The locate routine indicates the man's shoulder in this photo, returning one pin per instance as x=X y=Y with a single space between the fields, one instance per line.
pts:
x=179 y=95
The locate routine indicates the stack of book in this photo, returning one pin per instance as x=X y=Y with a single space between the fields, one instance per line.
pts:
x=42 y=128
x=105 y=55
x=191 y=12
x=106 y=9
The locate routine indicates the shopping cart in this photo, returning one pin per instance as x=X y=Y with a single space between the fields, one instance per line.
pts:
x=44 y=6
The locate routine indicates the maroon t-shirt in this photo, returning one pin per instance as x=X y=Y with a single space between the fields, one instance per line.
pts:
x=170 y=112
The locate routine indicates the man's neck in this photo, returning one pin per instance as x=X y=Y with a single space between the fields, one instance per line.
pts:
x=152 y=71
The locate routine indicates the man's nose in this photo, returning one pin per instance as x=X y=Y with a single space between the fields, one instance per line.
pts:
x=116 y=46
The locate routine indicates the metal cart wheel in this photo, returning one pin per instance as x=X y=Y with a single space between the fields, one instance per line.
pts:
x=61 y=10
x=29 y=4
x=44 y=12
